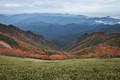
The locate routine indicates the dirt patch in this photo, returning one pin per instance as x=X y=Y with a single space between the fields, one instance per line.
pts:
x=5 y=44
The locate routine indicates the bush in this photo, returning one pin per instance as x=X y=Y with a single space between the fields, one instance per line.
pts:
x=8 y=40
x=117 y=56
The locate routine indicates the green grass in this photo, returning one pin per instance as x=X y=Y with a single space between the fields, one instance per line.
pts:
x=12 y=68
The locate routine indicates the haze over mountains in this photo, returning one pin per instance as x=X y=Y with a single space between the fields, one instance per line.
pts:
x=65 y=28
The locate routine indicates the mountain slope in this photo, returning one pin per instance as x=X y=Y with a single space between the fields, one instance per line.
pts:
x=68 y=39
x=5 y=44
x=26 y=37
x=86 y=43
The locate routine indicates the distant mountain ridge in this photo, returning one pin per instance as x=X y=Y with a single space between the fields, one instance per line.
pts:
x=58 y=24
x=55 y=30
x=54 y=18
x=37 y=17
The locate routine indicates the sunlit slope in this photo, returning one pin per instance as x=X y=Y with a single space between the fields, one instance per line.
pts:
x=88 y=42
x=26 y=38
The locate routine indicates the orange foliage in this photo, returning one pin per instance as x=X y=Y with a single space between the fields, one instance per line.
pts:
x=32 y=54
x=74 y=58
x=107 y=50
x=58 y=57
x=85 y=57
x=93 y=55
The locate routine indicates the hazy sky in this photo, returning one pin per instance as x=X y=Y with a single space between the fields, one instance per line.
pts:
x=88 y=7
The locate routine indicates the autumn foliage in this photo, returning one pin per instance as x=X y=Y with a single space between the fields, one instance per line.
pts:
x=32 y=54
x=85 y=57
x=107 y=51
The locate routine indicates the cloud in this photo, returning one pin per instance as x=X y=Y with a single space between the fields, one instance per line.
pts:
x=89 y=7
x=118 y=22
x=10 y=5
x=99 y=21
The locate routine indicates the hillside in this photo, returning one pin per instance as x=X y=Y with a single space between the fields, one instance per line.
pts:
x=26 y=39
x=88 y=42
x=27 y=44
x=68 y=39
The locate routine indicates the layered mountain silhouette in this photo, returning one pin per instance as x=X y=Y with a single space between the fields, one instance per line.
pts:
x=59 y=29
x=26 y=40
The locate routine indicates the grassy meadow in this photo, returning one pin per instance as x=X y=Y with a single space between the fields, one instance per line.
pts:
x=13 y=68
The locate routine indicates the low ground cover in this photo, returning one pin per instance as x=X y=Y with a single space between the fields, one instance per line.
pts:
x=12 y=68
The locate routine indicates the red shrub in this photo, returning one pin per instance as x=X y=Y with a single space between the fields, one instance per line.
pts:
x=74 y=58
x=85 y=57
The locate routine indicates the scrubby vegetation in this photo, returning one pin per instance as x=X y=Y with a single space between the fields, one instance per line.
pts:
x=45 y=55
x=8 y=40
x=12 y=68
x=89 y=43
x=31 y=41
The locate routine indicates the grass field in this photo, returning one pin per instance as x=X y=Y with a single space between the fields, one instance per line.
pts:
x=12 y=68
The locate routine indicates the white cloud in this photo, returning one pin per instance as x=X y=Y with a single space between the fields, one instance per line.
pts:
x=10 y=5
x=89 y=7
x=99 y=21
x=118 y=22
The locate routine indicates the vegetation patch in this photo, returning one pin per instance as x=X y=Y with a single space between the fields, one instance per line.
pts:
x=78 y=69
x=8 y=40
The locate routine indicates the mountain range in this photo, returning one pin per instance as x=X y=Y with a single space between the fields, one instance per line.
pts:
x=61 y=29
x=84 y=45
x=54 y=18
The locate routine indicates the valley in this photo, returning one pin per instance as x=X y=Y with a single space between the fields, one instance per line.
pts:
x=61 y=34
x=59 y=39
x=59 y=46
